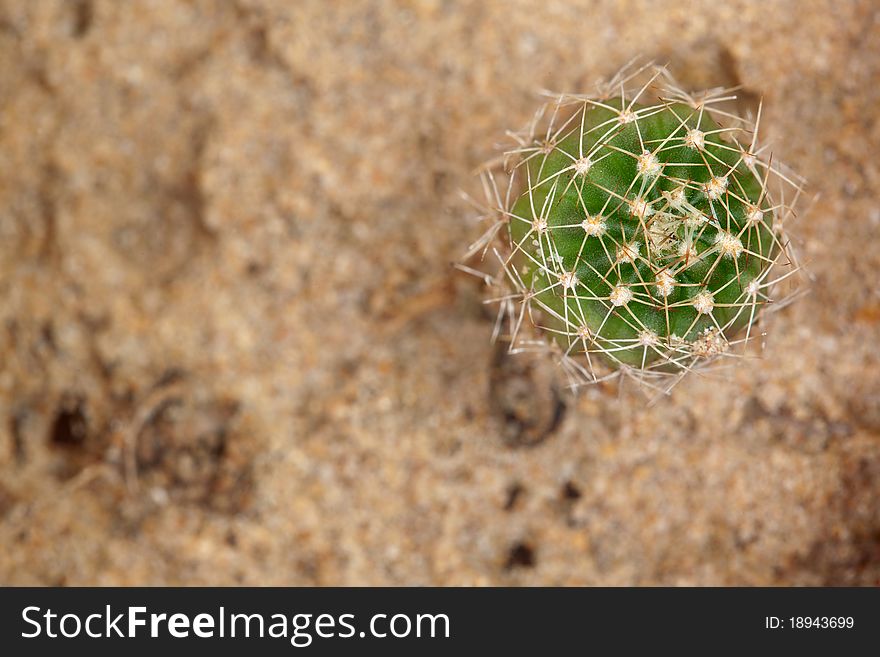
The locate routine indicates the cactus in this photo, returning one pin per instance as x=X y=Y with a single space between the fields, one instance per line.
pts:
x=641 y=229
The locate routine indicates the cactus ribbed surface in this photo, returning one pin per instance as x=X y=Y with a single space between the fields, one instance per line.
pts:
x=639 y=229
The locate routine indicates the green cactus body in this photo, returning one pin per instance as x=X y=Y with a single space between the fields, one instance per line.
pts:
x=637 y=230
x=642 y=234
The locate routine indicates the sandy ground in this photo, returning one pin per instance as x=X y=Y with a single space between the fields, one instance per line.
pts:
x=234 y=350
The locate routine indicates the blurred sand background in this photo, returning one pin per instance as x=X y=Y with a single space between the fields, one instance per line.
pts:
x=233 y=349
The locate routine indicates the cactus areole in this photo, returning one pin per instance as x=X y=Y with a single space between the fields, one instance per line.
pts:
x=641 y=234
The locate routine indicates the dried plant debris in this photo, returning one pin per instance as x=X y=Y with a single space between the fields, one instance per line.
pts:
x=640 y=231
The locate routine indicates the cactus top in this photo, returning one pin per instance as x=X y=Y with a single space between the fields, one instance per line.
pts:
x=642 y=235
